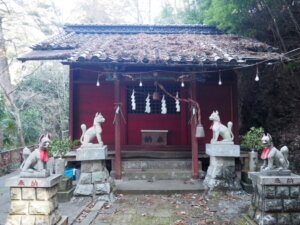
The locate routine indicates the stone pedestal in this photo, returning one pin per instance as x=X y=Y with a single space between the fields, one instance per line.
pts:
x=253 y=161
x=94 y=178
x=275 y=200
x=65 y=189
x=221 y=174
x=34 y=201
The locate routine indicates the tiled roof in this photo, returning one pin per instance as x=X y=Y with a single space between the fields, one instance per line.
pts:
x=141 y=44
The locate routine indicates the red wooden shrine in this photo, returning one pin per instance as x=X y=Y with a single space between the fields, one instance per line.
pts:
x=121 y=56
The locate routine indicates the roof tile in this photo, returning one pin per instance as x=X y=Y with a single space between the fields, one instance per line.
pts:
x=150 y=44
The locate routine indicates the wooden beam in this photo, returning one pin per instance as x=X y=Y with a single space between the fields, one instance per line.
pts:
x=194 y=140
x=71 y=103
x=117 y=130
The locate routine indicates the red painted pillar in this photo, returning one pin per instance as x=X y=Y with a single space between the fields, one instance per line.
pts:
x=194 y=140
x=117 y=130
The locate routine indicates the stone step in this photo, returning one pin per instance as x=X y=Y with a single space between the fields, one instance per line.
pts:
x=156 y=174
x=145 y=164
x=159 y=186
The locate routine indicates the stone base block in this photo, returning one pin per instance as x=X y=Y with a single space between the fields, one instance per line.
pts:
x=84 y=190
x=275 y=199
x=52 y=219
x=92 y=166
x=65 y=196
x=102 y=189
x=222 y=150
x=18 y=181
x=221 y=174
x=258 y=178
x=276 y=173
x=65 y=184
x=91 y=152
x=35 y=174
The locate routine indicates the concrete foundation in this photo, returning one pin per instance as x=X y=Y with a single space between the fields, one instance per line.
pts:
x=276 y=199
x=34 y=201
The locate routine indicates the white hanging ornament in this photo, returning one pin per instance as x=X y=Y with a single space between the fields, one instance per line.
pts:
x=257 y=74
x=182 y=83
x=133 y=104
x=148 y=108
x=220 y=79
x=163 y=105
x=98 y=81
x=177 y=103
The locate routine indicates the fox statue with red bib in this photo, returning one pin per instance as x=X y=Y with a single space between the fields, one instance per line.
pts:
x=35 y=163
x=274 y=159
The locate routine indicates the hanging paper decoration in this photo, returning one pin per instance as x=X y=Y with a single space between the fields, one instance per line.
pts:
x=147 y=108
x=163 y=105
x=133 y=104
x=257 y=74
x=220 y=78
x=177 y=103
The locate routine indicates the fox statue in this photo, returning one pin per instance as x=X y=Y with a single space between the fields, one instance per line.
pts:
x=92 y=132
x=35 y=163
x=220 y=130
x=273 y=158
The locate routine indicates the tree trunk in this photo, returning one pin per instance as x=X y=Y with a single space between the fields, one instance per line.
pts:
x=7 y=88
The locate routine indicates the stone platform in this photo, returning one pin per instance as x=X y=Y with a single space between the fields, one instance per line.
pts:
x=222 y=150
x=276 y=199
x=91 y=152
x=221 y=174
x=94 y=178
x=34 y=201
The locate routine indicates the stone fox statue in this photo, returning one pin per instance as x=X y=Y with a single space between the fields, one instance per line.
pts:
x=94 y=131
x=219 y=129
x=35 y=162
x=274 y=159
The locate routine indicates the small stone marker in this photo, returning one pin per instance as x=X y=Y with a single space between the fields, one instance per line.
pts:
x=276 y=199
x=34 y=201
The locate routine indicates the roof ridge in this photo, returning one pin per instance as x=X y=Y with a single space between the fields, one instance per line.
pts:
x=142 y=28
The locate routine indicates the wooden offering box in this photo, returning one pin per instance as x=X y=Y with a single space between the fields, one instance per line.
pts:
x=154 y=137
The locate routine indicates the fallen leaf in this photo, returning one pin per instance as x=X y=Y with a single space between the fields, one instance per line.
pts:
x=209 y=221
x=180 y=222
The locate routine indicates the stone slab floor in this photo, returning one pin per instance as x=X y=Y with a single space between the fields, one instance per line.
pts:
x=4 y=197
x=176 y=209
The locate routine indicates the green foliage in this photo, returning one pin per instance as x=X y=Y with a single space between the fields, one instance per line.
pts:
x=252 y=139
x=7 y=125
x=60 y=147
x=42 y=98
x=273 y=21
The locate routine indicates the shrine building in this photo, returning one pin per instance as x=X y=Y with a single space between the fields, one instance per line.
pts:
x=146 y=81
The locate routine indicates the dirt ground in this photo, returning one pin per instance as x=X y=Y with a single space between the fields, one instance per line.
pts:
x=177 y=209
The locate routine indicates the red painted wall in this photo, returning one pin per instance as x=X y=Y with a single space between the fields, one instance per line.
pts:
x=91 y=99
x=211 y=98
x=87 y=99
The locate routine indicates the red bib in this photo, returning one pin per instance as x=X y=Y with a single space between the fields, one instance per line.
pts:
x=44 y=155
x=265 y=153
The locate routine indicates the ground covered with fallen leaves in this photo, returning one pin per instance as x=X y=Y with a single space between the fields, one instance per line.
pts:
x=176 y=209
